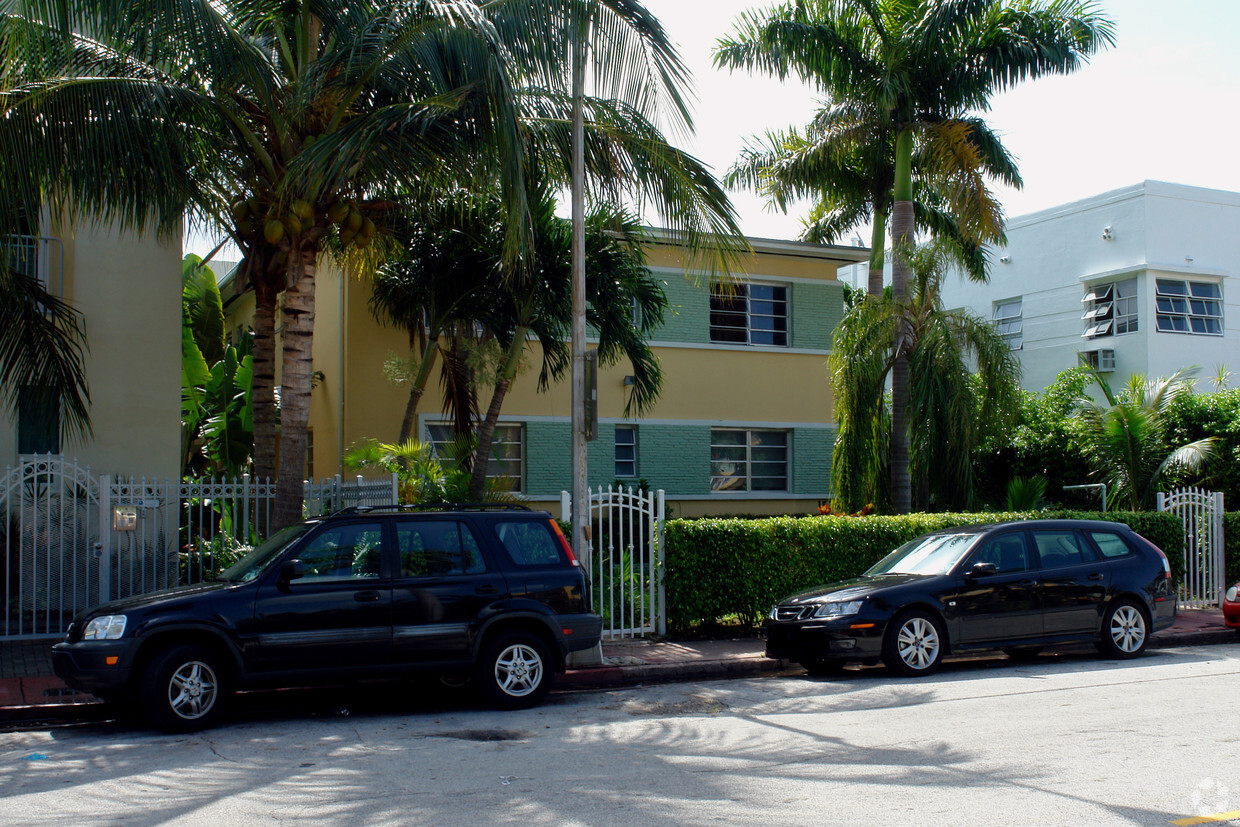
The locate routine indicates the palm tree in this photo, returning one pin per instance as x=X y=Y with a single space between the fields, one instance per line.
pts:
x=442 y=283
x=42 y=344
x=951 y=409
x=1127 y=437
x=919 y=67
x=844 y=160
x=290 y=112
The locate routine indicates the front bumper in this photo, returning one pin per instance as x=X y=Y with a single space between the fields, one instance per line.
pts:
x=845 y=639
x=1231 y=614
x=100 y=667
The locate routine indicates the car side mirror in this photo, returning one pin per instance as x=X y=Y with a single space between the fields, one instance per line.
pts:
x=980 y=570
x=291 y=570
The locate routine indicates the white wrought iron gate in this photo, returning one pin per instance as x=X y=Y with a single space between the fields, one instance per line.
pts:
x=624 y=561
x=1201 y=512
x=51 y=523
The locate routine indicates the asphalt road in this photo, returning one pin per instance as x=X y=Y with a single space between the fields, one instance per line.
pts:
x=1069 y=739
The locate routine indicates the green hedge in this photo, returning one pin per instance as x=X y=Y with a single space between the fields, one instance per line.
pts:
x=725 y=568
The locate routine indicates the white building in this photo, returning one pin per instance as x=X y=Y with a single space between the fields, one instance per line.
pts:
x=1144 y=279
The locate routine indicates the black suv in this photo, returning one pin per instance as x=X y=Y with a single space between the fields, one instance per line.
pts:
x=366 y=592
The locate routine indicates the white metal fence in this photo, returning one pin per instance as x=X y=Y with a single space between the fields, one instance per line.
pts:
x=72 y=540
x=1201 y=512
x=624 y=561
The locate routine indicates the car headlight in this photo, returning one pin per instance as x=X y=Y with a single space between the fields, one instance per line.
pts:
x=105 y=627
x=838 y=609
x=1233 y=594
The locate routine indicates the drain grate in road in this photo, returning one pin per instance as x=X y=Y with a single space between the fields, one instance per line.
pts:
x=485 y=735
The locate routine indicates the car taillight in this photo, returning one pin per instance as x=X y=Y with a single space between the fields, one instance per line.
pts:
x=568 y=549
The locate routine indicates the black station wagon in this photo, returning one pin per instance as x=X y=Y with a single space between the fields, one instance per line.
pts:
x=367 y=592
x=1016 y=586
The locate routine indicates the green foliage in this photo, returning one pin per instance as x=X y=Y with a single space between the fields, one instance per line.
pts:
x=1026 y=493
x=740 y=568
x=217 y=412
x=1231 y=543
x=1196 y=416
x=424 y=477
x=1127 y=440
x=963 y=385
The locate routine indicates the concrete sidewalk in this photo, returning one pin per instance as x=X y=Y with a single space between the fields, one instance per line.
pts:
x=30 y=692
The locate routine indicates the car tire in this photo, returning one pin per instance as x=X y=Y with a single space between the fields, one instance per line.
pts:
x=914 y=644
x=1125 y=630
x=515 y=670
x=823 y=668
x=1023 y=653
x=184 y=689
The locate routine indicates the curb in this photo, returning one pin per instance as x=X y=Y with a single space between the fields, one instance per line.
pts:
x=603 y=677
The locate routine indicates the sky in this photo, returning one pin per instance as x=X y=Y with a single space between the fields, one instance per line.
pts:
x=1162 y=104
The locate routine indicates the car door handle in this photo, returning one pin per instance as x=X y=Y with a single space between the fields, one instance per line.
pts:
x=366 y=597
x=1096 y=576
x=487 y=588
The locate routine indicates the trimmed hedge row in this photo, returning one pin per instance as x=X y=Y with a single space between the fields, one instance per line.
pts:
x=1231 y=546
x=721 y=568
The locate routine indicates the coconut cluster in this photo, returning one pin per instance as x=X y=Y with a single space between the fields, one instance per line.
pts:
x=354 y=228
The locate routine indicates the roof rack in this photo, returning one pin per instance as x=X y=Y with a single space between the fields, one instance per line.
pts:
x=371 y=509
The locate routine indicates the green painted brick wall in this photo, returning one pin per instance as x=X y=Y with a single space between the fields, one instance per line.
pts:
x=548 y=459
x=811 y=461
x=816 y=311
x=688 y=313
x=675 y=458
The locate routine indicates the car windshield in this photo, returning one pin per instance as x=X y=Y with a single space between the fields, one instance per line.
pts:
x=935 y=554
x=261 y=558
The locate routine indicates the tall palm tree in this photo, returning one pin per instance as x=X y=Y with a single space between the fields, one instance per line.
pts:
x=919 y=66
x=844 y=161
x=275 y=120
x=950 y=408
x=1127 y=437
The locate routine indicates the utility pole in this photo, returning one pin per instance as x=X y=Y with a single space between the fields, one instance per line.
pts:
x=581 y=497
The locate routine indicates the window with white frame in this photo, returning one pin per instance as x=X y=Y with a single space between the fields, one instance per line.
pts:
x=752 y=314
x=626 y=451
x=1110 y=309
x=507 y=461
x=1008 y=317
x=748 y=460
x=1194 y=307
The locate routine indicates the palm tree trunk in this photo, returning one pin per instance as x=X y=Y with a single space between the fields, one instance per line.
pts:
x=263 y=386
x=295 y=387
x=486 y=432
x=878 y=243
x=419 y=386
x=902 y=237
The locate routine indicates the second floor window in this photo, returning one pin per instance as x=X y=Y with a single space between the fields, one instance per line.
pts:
x=1110 y=309
x=1009 y=321
x=1189 y=307
x=751 y=314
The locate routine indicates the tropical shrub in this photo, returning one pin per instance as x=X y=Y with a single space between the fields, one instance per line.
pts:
x=717 y=569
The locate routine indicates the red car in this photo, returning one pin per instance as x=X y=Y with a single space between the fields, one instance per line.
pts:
x=1231 y=607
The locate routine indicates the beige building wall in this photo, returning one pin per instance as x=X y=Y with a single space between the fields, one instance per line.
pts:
x=128 y=288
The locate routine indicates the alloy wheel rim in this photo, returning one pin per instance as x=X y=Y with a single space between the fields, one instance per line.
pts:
x=1127 y=628
x=193 y=689
x=518 y=670
x=918 y=643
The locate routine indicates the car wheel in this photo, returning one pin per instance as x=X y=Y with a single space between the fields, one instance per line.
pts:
x=184 y=689
x=515 y=670
x=1124 y=632
x=1023 y=652
x=914 y=644
x=823 y=668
